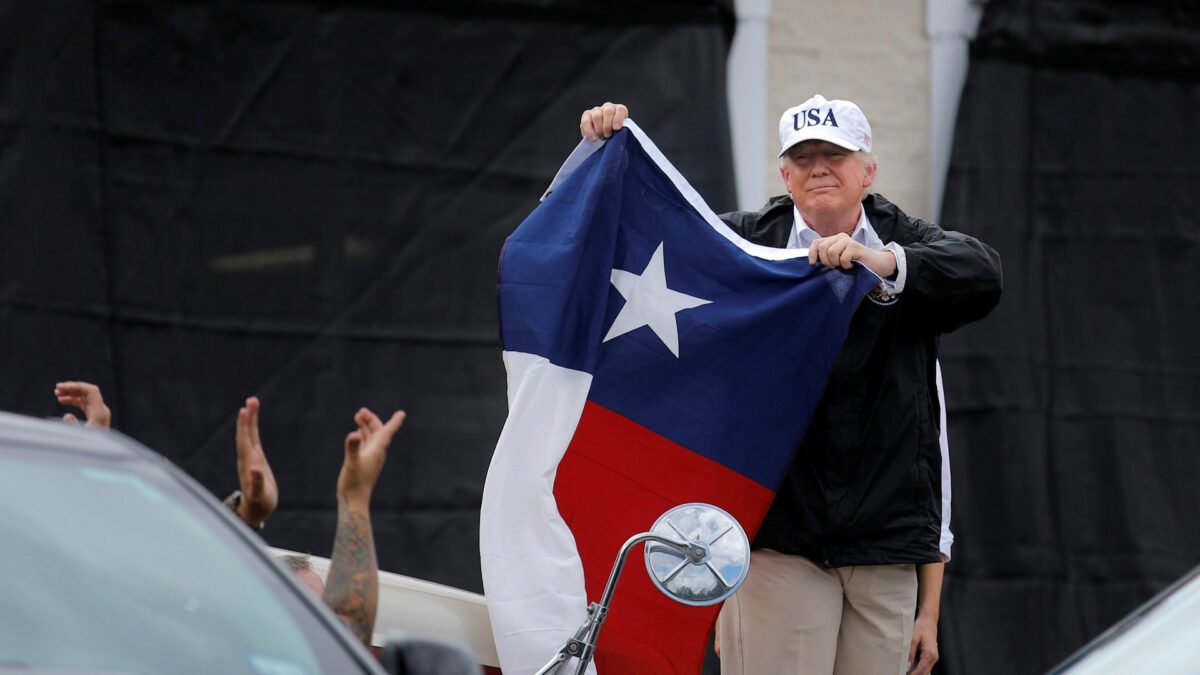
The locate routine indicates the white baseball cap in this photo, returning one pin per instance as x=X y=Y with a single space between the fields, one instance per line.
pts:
x=839 y=122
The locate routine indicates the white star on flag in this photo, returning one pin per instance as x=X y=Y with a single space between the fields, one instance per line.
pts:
x=648 y=302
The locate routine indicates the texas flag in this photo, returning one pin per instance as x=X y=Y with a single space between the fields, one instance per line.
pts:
x=654 y=358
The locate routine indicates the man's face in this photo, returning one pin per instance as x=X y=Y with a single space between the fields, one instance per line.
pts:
x=826 y=182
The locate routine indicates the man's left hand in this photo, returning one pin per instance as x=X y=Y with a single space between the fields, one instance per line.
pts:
x=924 y=650
x=841 y=250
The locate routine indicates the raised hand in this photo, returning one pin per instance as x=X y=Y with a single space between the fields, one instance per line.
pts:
x=260 y=494
x=85 y=396
x=365 y=453
x=602 y=121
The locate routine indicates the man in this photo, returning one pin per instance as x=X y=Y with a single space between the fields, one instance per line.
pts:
x=848 y=554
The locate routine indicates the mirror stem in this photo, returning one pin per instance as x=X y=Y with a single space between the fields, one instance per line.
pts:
x=583 y=643
x=597 y=617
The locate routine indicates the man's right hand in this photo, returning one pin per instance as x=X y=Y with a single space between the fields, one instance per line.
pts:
x=601 y=121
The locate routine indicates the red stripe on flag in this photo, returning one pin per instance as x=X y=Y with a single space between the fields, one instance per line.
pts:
x=616 y=478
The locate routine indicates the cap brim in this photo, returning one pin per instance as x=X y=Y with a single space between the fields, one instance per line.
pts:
x=819 y=134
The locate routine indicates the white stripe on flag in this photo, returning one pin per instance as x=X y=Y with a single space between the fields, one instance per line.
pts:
x=532 y=574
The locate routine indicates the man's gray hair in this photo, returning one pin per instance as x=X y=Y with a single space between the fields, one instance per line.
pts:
x=868 y=159
x=297 y=562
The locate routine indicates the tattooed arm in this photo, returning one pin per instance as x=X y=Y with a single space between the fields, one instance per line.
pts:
x=352 y=586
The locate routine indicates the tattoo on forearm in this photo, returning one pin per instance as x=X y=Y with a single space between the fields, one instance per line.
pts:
x=352 y=587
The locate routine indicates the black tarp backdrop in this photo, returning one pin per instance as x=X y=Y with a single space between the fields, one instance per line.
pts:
x=306 y=202
x=1075 y=407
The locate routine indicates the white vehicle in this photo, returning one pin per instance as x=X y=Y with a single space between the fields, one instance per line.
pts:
x=696 y=554
x=1159 y=637
x=115 y=562
x=415 y=607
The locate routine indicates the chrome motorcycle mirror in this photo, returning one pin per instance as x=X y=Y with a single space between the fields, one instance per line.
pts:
x=716 y=559
x=696 y=554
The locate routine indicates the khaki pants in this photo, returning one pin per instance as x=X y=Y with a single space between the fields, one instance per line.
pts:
x=791 y=616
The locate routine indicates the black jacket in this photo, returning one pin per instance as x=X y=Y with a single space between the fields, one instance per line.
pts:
x=865 y=485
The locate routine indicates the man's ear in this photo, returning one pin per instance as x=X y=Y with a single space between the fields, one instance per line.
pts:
x=869 y=178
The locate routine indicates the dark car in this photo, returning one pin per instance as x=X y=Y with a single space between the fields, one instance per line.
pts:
x=114 y=561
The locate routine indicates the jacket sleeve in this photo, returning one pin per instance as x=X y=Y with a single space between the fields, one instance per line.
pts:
x=954 y=278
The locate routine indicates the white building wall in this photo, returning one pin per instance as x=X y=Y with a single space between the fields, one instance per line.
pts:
x=749 y=118
x=951 y=25
x=873 y=52
x=903 y=61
